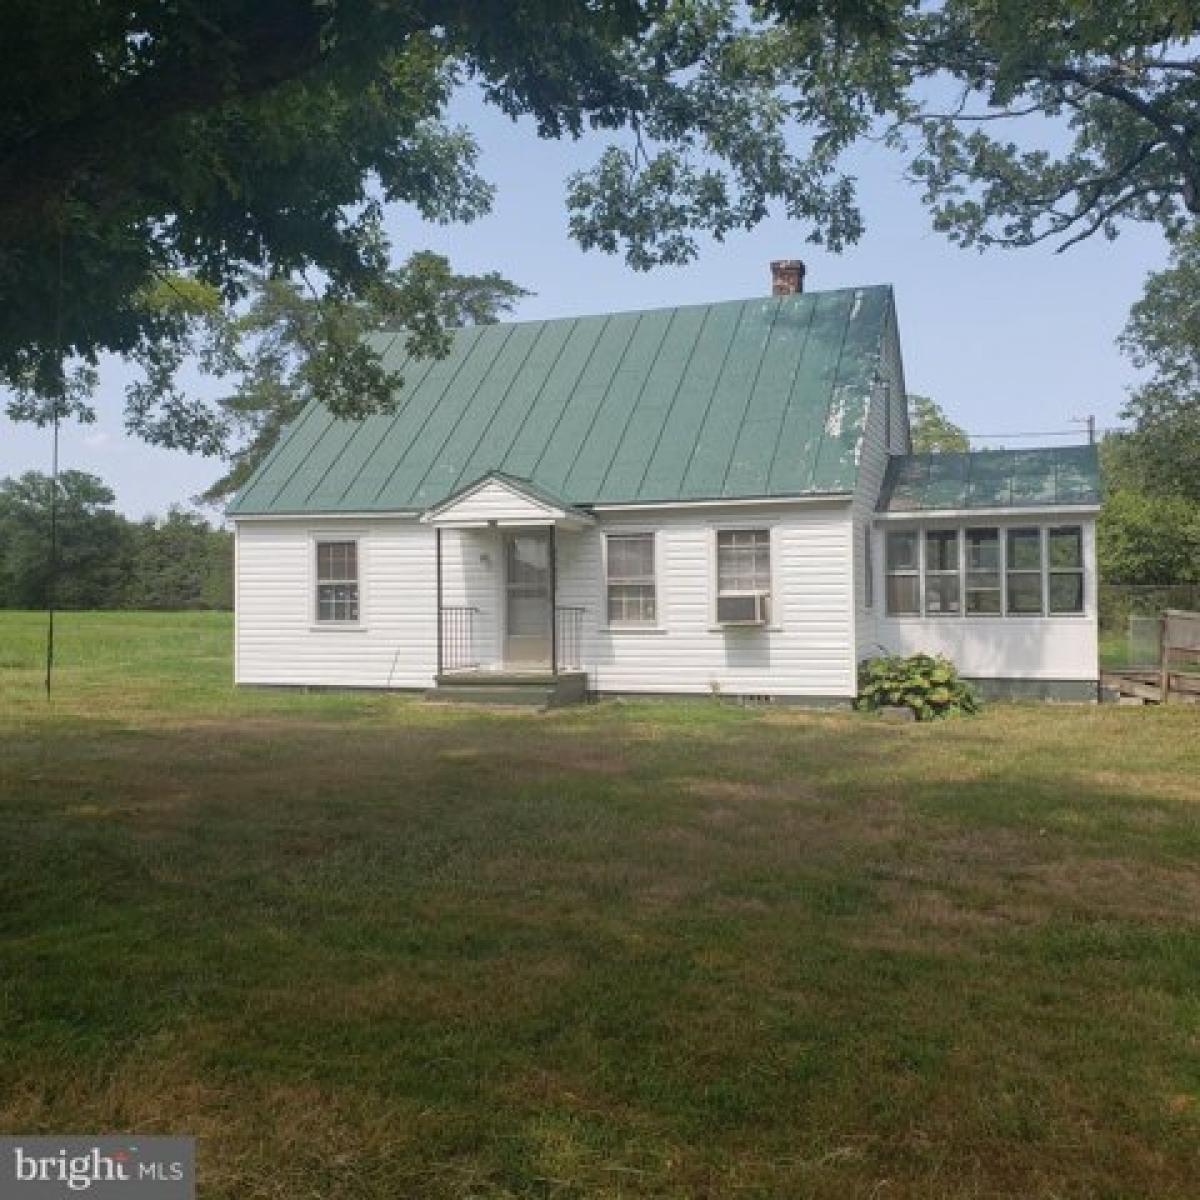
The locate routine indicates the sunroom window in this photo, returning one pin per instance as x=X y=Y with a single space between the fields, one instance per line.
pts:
x=983 y=573
x=1064 y=554
x=903 y=572
x=1023 y=583
x=941 y=573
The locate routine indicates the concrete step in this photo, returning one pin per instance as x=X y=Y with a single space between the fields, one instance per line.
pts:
x=524 y=691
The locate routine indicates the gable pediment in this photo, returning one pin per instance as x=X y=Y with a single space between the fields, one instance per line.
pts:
x=499 y=499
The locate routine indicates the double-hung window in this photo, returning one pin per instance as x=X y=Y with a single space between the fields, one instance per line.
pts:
x=631 y=586
x=1023 y=573
x=1064 y=563
x=941 y=573
x=337 y=583
x=743 y=576
x=902 y=561
x=983 y=573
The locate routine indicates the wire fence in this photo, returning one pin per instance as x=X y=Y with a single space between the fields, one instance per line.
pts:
x=1129 y=619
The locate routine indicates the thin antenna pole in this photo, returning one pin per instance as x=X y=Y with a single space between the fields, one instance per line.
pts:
x=52 y=578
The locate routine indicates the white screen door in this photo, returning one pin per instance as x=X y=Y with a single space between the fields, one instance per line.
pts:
x=527 y=599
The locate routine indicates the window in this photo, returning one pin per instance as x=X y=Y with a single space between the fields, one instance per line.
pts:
x=983 y=573
x=903 y=567
x=630 y=559
x=1023 y=580
x=941 y=573
x=743 y=575
x=868 y=569
x=1064 y=555
x=337 y=582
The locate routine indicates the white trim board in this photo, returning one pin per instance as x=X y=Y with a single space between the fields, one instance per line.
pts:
x=1040 y=513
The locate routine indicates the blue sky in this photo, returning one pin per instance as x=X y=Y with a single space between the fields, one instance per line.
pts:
x=1008 y=340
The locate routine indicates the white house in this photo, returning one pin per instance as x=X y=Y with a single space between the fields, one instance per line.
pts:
x=717 y=497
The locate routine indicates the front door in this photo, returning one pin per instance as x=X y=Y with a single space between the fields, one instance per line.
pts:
x=527 y=599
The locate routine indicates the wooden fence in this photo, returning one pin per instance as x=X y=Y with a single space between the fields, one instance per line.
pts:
x=1180 y=649
x=1177 y=676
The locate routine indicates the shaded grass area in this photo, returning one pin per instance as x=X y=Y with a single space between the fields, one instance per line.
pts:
x=367 y=948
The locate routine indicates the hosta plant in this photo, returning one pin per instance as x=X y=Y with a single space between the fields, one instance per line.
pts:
x=928 y=684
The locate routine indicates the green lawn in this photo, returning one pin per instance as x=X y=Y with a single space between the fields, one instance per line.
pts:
x=367 y=948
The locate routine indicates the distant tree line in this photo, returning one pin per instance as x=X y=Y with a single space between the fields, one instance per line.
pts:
x=104 y=559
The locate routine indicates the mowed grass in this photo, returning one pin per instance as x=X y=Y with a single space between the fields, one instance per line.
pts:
x=363 y=947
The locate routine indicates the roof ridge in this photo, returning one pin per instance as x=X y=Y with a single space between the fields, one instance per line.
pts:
x=794 y=298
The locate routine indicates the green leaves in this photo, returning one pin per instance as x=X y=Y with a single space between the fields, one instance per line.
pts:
x=933 y=431
x=929 y=685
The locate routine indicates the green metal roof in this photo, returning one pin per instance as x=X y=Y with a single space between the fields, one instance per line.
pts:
x=747 y=398
x=1041 y=478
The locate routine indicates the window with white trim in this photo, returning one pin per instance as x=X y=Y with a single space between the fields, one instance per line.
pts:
x=337 y=583
x=629 y=559
x=743 y=576
x=868 y=569
x=942 y=592
x=902 y=568
x=1064 y=564
x=983 y=573
x=1023 y=573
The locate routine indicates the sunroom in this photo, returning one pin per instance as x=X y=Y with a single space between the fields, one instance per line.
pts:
x=990 y=559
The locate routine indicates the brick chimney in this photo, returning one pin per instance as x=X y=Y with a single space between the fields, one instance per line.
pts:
x=787 y=277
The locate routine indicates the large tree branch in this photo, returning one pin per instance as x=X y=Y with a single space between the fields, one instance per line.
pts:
x=104 y=143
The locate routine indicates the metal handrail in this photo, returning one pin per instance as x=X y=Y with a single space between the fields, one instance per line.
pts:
x=458 y=637
x=569 y=639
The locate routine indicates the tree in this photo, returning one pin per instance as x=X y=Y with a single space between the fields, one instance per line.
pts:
x=277 y=352
x=179 y=562
x=1163 y=337
x=146 y=146
x=1148 y=539
x=933 y=431
x=94 y=543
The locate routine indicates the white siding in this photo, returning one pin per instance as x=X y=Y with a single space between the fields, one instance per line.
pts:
x=1060 y=647
x=278 y=639
x=807 y=651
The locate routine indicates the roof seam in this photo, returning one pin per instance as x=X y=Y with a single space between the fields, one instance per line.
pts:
x=487 y=427
x=787 y=404
x=286 y=434
x=467 y=407
x=306 y=455
x=429 y=363
x=616 y=371
x=567 y=403
x=641 y=391
x=433 y=409
x=708 y=310
x=717 y=377
x=833 y=387
x=733 y=441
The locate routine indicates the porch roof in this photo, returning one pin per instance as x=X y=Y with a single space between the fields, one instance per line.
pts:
x=505 y=500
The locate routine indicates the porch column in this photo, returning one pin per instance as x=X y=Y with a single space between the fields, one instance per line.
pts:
x=437 y=541
x=554 y=599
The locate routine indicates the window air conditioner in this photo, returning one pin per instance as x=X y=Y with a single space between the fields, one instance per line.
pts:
x=747 y=609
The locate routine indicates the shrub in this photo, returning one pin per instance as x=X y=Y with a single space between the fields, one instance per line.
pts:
x=929 y=685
